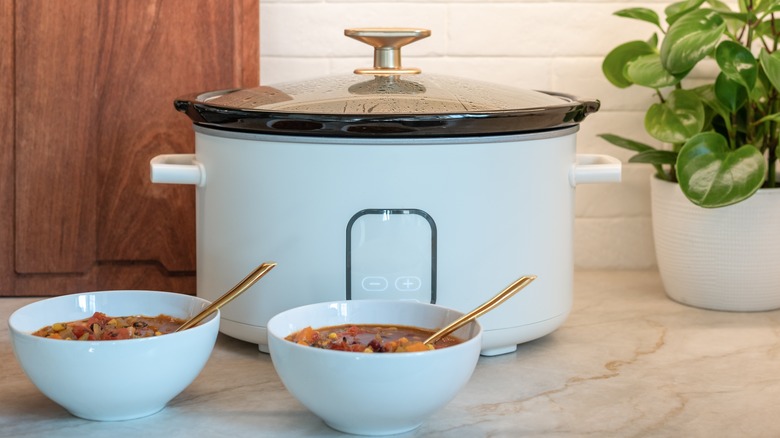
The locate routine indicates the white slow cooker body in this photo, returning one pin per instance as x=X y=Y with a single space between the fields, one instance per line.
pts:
x=502 y=208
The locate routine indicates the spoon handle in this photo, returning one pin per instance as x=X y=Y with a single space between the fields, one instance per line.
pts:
x=484 y=308
x=247 y=282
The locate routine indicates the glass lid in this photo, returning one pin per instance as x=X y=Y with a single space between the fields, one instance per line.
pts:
x=386 y=100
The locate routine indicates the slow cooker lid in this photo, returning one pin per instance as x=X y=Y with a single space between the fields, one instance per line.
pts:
x=387 y=100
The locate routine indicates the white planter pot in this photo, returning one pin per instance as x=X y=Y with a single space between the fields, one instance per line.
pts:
x=722 y=259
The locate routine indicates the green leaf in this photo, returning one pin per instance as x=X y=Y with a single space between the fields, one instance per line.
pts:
x=676 y=120
x=734 y=20
x=712 y=175
x=767 y=28
x=731 y=94
x=626 y=143
x=653 y=41
x=758 y=95
x=769 y=118
x=646 y=153
x=706 y=94
x=648 y=71
x=771 y=65
x=719 y=5
x=741 y=17
x=643 y=14
x=768 y=7
x=737 y=63
x=678 y=9
x=655 y=157
x=616 y=61
x=690 y=39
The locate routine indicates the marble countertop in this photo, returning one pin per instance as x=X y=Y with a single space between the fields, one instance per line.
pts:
x=628 y=362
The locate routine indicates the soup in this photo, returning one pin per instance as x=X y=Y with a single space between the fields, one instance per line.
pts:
x=370 y=338
x=100 y=327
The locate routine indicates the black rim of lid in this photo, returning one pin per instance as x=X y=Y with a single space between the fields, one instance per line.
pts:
x=571 y=112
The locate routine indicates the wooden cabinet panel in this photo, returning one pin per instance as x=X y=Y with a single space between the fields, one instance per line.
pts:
x=55 y=70
x=6 y=144
x=93 y=91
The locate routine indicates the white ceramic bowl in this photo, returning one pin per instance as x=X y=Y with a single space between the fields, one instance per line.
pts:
x=372 y=393
x=113 y=380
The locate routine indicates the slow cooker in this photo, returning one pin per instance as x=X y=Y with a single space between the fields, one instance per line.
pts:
x=387 y=183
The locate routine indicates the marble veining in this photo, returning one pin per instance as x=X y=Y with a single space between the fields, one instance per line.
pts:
x=628 y=362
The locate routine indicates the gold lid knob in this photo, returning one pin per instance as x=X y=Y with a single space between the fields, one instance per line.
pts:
x=387 y=43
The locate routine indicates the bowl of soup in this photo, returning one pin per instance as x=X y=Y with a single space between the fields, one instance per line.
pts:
x=362 y=365
x=112 y=355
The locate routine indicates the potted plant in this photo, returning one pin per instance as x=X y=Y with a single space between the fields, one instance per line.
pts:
x=716 y=213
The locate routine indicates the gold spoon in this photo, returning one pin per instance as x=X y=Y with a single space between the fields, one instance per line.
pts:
x=484 y=308
x=250 y=279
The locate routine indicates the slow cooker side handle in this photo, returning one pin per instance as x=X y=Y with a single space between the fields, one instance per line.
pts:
x=177 y=169
x=594 y=168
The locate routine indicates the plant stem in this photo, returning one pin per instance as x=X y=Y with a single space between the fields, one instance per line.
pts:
x=732 y=130
x=749 y=25
x=772 y=169
x=771 y=139
x=661 y=96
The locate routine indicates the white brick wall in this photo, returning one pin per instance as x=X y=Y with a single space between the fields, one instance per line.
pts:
x=546 y=44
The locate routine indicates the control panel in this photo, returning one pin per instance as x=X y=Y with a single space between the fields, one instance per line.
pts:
x=391 y=254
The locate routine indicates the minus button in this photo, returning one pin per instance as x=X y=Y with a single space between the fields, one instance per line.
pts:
x=374 y=284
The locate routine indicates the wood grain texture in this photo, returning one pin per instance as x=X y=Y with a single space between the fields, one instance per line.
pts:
x=94 y=89
x=55 y=148
x=6 y=142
